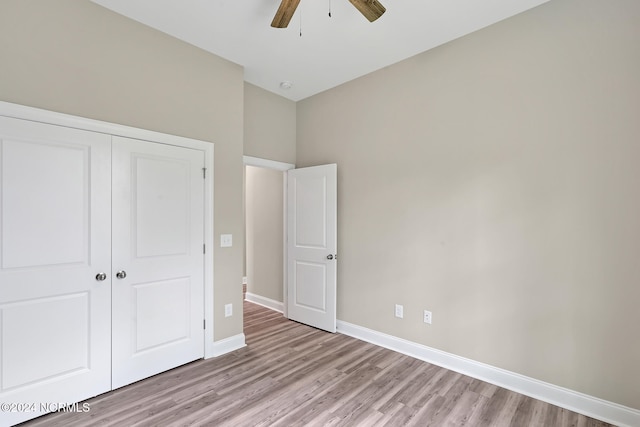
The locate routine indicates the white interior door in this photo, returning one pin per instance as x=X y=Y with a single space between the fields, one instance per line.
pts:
x=311 y=248
x=158 y=238
x=55 y=238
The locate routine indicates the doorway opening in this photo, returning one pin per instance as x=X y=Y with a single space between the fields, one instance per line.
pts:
x=265 y=230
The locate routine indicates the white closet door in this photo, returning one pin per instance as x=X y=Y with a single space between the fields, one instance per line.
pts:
x=55 y=234
x=158 y=235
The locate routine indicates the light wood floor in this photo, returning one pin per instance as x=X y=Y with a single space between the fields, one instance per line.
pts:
x=294 y=375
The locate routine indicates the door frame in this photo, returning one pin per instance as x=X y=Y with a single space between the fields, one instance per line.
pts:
x=54 y=118
x=282 y=167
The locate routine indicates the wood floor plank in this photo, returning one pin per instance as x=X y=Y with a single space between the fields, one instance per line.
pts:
x=523 y=412
x=294 y=375
x=426 y=414
x=397 y=415
x=466 y=407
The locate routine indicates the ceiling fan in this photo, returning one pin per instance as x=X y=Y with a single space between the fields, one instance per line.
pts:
x=371 y=9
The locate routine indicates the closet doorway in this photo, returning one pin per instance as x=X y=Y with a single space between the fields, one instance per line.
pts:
x=103 y=276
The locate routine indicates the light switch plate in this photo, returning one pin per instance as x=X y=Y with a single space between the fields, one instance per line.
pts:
x=226 y=240
x=228 y=310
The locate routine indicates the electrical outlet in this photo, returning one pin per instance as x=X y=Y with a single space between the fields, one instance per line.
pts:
x=399 y=311
x=228 y=310
x=427 y=316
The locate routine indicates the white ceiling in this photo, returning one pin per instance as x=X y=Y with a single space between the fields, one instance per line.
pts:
x=331 y=51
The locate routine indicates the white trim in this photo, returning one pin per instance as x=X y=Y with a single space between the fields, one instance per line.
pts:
x=44 y=116
x=210 y=252
x=77 y=122
x=265 y=302
x=226 y=345
x=265 y=163
x=285 y=245
x=572 y=400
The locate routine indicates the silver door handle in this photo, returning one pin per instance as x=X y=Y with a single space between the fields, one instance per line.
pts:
x=121 y=274
x=101 y=276
x=332 y=256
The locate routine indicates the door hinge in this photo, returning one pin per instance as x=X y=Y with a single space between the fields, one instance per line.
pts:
x=204 y=248
x=204 y=323
x=204 y=173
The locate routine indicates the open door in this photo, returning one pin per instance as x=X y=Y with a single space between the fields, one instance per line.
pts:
x=311 y=247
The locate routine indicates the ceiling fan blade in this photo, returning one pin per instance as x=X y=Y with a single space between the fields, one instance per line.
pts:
x=371 y=9
x=285 y=13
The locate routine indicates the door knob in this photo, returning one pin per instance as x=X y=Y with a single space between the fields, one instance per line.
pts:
x=329 y=256
x=121 y=274
x=101 y=276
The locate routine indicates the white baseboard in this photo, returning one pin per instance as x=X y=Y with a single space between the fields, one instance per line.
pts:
x=572 y=400
x=265 y=302
x=224 y=346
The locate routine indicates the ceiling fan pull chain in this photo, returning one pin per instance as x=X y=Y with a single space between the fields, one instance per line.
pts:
x=329 y=8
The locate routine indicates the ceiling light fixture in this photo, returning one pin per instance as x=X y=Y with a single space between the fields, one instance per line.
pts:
x=286 y=85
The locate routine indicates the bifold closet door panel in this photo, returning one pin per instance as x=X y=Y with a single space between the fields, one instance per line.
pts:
x=158 y=260
x=55 y=244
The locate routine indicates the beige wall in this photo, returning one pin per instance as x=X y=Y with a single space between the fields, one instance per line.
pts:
x=270 y=125
x=75 y=57
x=264 y=209
x=269 y=133
x=494 y=181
